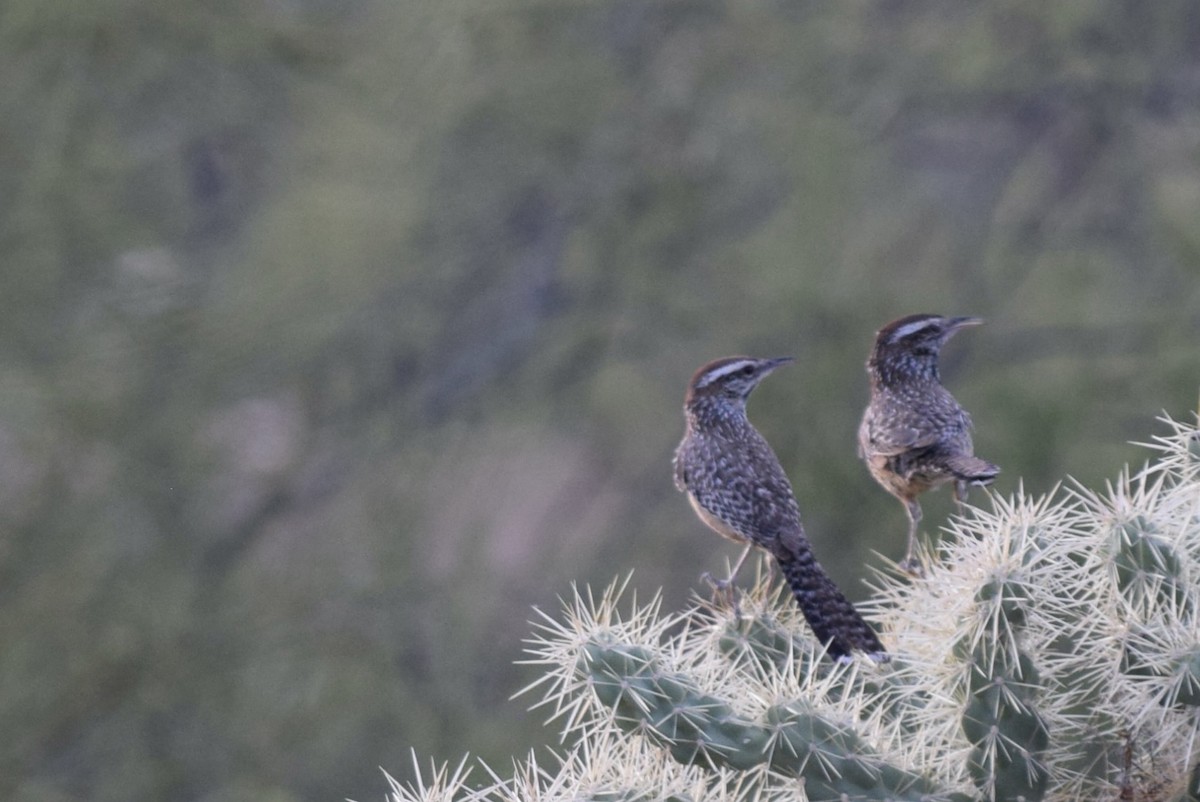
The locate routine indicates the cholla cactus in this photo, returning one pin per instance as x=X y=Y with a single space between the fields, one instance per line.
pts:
x=1051 y=653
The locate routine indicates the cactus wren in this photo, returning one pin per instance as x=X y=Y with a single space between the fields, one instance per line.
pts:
x=738 y=488
x=914 y=436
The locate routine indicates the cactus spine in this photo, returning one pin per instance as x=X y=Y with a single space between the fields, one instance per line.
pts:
x=1051 y=653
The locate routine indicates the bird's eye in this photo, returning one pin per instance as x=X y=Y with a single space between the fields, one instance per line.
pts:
x=747 y=371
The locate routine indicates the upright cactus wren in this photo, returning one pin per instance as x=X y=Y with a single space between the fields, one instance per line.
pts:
x=738 y=488
x=914 y=436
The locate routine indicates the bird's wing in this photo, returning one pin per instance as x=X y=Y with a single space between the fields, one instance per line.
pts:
x=902 y=439
x=900 y=433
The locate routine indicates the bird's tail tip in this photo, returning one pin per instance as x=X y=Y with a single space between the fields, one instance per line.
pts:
x=972 y=470
x=846 y=657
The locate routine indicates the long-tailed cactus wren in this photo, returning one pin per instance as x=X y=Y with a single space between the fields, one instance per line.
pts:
x=914 y=436
x=737 y=486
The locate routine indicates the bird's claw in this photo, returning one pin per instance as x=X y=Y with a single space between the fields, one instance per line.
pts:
x=724 y=590
x=913 y=567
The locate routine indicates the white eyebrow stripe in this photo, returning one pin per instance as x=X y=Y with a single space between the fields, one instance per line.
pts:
x=723 y=371
x=910 y=328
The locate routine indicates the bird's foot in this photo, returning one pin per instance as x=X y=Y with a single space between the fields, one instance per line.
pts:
x=912 y=566
x=725 y=592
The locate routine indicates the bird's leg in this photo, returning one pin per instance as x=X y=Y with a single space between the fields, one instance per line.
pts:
x=960 y=495
x=910 y=564
x=725 y=587
x=737 y=566
x=773 y=571
x=725 y=584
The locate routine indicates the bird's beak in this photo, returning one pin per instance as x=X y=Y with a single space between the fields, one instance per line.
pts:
x=779 y=361
x=956 y=323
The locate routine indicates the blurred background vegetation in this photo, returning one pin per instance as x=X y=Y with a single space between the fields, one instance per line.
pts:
x=337 y=335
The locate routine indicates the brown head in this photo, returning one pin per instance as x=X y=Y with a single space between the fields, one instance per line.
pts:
x=908 y=348
x=731 y=379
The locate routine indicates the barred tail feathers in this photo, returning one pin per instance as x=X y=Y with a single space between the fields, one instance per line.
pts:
x=971 y=469
x=829 y=613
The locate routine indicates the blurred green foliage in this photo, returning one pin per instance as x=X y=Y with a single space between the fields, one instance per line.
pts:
x=336 y=335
